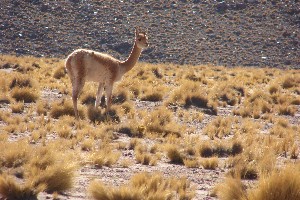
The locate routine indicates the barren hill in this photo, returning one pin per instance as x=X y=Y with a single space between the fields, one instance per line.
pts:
x=231 y=33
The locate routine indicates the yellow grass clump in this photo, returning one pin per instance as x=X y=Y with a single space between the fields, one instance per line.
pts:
x=144 y=186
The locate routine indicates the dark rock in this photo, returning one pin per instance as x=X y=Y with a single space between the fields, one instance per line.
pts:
x=221 y=7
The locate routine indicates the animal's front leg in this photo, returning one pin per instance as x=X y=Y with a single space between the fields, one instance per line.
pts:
x=99 y=94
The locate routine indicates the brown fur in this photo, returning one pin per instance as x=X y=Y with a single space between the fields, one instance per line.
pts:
x=86 y=65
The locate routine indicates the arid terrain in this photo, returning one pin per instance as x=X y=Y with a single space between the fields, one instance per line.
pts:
x=201 y=126
x=230 y=33
x=211 y=111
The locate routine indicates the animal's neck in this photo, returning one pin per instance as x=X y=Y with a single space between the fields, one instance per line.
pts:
x=132 y=59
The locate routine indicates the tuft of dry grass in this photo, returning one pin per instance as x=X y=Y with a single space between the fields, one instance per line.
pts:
x=26 y=94
x=56 y=178
x=104 y=157
x=20 y=80
x=231 y=189
x=219 y=127
x=62 y=108
x=144 y=186
x=174 y=155
x=11 y=190
x=14 y=154
x=17 y=107
x=51 y=169
x=59 y=72
x=95 y=115
x=210 y=163
x=42 y=108
x=132 y=129
x=290 y=81
x=161 y=121
x=281 y=185
x=154 y=97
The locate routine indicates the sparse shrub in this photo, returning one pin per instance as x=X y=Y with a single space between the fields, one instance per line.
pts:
x=244 y=170
x=88 y=98
x=144 y=186
x=87 y=145
x=132 y=129
x=191 y=76
x=289 y=82
x=197 y=100
x=236 y=148
x=219 y=127
x=174 y=155
x=190 y=93
x=64 y=132
x=13 y=154
x=206 y=150
x=95 y=115
x=133 y=143
x=59 y=72
x=281 y=185
x=229 y=93
x=232 y=188
x=154 y=97
x=143 y=157
x=11 y=190
x=274 y=88
x=121 y=97
x=62 y=108
x=17 y=107
x=191 y=163
x=158 y=120
x=21 y=81
x=126 y=163
x=104 y=157
x=287 y=110
x=42 y=107
x=4 y=99
x=210 y=163
x=157 y=73
x=27 y=95
x=57 y=178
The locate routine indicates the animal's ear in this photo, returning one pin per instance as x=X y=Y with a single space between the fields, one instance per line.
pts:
x=137 y=31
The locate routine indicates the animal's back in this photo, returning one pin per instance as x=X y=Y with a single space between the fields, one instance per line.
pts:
x=92 y=65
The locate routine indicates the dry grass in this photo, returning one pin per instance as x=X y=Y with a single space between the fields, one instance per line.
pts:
x=27 y=95
x=231 y=189
x=174 y=154
x=277 y=185
x=14 y=154
x=240 y=120
x=144 y=186
x=17 y=107
x=10 y=189
x=210 y=163
x=104 y=157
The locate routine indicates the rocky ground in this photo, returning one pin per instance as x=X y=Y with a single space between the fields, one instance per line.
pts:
x=232 y=32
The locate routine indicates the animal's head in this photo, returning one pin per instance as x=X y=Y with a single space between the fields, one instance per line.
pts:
x=141 y=38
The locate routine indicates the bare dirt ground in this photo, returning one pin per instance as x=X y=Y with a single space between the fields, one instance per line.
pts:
x=230 y=33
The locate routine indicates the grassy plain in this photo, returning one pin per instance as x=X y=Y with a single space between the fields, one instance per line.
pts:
x=244 y=122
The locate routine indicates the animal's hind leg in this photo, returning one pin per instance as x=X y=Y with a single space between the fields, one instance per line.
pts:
x=77 y=88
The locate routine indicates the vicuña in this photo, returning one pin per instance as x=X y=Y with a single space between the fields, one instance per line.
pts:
x=86 y=65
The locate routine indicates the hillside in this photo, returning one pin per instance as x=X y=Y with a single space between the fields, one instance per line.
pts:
x=229 y=33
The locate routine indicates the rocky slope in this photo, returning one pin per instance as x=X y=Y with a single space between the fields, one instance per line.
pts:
x=232 y=32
